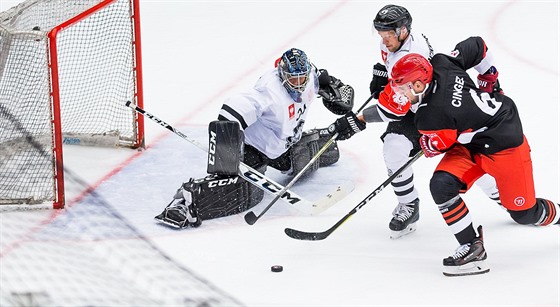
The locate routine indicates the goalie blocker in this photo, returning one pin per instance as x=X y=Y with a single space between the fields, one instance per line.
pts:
x=223 y=193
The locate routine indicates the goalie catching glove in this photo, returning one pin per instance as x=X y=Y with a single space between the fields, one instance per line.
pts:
x=337 y=97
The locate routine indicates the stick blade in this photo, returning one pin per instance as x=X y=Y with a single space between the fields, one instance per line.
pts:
x=309 y=236
x=251 y=218
x=332 y=198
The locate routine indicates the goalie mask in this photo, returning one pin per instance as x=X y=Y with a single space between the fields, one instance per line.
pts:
x=293 y=70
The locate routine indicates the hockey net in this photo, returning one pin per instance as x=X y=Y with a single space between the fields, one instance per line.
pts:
x=88 y=255
x=66 y=70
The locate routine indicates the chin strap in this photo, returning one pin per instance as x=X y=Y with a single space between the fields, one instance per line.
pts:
x=421 y=94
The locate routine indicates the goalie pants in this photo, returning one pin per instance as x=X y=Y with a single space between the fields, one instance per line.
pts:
x=298 y=156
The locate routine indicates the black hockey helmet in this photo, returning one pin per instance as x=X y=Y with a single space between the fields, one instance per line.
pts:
x=392 y=17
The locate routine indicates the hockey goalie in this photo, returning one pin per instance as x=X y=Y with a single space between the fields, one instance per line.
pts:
x=264 y=128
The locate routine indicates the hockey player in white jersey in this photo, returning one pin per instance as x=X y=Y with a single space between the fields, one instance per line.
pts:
x=262 y=127
x=393 y=24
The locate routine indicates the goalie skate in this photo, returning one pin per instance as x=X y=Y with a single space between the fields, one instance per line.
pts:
x=181 y=212
x=173 y=216
x=162 y=218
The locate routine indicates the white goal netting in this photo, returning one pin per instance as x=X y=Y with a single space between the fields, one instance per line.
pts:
x=88 y=255
x=67 y=68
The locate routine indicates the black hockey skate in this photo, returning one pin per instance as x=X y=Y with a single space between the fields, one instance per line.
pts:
x=469 y=259
x=404 y=219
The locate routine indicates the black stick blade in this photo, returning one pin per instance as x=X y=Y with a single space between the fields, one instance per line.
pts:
x=251 y=218
x=309 y=236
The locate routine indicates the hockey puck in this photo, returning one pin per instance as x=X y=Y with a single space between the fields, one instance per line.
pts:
x=277 y=268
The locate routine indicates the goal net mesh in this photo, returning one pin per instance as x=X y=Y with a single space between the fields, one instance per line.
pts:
x=88 y=255
x=89 y=64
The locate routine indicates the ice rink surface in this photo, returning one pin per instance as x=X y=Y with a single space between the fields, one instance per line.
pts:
x=197 y=53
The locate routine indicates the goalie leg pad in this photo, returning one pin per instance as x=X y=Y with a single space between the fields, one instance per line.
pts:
x=331 y=155
x=303 y=151
x=221 y=196
x=225 y=147
x=218 y=196
x=208 y=198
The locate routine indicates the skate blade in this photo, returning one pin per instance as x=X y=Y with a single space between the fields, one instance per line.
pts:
x=471 y=268
x=408 y=230
x=160 y=218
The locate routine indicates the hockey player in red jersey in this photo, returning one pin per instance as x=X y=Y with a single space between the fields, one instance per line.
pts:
x=393 y=24
x=477 y=132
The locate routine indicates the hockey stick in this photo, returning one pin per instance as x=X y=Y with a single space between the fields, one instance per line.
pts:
x=257 y=178
x=315 y=236
x=251 y=218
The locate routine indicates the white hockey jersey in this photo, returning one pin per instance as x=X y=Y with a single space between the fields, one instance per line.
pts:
x=272 y=121
x=414 y=43
x=391 y=106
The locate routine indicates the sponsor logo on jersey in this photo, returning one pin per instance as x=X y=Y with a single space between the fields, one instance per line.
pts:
x=292 y=111
x=455 y=53
x=384 y=57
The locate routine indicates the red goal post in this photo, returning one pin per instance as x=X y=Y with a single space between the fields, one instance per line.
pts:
x=66 y=70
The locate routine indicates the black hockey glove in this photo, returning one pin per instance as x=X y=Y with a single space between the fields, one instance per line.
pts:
x=337 y=97
x=346 y=126
x=379 y=80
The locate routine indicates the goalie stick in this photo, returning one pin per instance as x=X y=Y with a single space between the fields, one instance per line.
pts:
x=315 y=236
x=259 y=180
x=251 y=218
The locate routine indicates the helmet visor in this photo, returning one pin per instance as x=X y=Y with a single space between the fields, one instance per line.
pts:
x=402 y=89
x=296 y=81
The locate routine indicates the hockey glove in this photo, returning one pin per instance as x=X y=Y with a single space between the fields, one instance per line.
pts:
x=337 y=97
x=426 y=145
x=488 y=82
x=346 y=126
x=379 y=80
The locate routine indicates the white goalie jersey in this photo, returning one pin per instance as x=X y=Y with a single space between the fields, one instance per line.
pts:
x=272 y=121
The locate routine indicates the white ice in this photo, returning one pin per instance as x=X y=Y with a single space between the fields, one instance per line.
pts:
x=196 y=53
